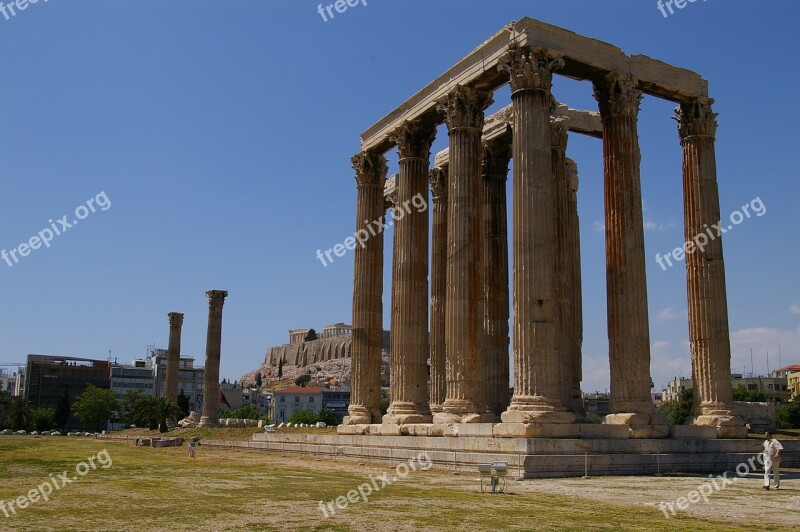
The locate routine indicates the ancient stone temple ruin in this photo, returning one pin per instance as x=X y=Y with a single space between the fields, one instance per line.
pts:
x=467 y=336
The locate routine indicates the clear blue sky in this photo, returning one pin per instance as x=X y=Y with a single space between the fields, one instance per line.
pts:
x=221 y=133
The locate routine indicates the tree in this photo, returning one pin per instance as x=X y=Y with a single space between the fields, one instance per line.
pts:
x=183 y=403
x=127 y=405
x=280 y=369
x=258 y=379
x=678 y=411
x=787 y=415
x=741 y=393
x=302 y=380
x=311 y=335
x=19 y=414
x=304 y=416
x=95 y=406
x=153 y=412
x=244 y=412
x=328 y=417
x=384 y=402
x=44 y=419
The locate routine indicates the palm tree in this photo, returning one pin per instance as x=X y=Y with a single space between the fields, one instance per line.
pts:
x=19 y=414
x=153 y=412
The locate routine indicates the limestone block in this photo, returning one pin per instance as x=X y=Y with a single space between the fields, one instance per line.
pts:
x=536 y=430
x=591 y=431
x=692 y=432
x=476 y=429
x=649 y=431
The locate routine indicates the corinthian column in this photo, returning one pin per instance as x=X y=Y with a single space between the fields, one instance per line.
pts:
x=216 y=298
x=409 y=340
x=709 y=335
x=576 y=294
x=628 y=326
x=496 y=156
x=537 y=377
x=466 y=400
x=564 y=266
x=173 y=356
x=438 y=179
x=365 y=395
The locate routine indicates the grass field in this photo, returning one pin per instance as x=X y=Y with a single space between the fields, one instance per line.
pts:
x=221 y=489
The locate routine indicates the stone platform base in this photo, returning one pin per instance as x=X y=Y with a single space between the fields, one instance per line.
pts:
x=541 y=430
x=529 y=457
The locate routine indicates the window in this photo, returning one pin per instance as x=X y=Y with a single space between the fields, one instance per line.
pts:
x=296 y=398
x=311 y=399
x=283 y=398
x=769 y=387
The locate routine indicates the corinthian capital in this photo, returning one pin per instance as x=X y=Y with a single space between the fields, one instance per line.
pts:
x=464 y=107
x=618 y=94
x=438 y=178
x=175 y=319
x=414 y=139
x=558 y=130
x=496 y=155
x=695 y=118
x=216 y=298
x=370 y=168
x=529 y=68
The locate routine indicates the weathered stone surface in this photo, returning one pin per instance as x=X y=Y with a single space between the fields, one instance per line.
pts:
x=216 y=299
x=649 y=431
x=536 y=430
x=590 y=431
x=692 y=432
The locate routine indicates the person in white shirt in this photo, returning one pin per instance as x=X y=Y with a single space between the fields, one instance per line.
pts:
x=772 y=460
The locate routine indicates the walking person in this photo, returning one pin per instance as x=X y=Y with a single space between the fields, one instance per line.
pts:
x=772 y=460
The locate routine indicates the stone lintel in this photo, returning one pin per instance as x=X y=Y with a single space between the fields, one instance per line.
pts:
x=584 y=59
x=499 y=124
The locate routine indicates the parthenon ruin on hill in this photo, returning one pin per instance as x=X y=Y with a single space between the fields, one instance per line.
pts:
x=467 y=389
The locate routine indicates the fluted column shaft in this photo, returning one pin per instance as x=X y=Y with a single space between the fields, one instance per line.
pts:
x=438 y=380
x=576 y=293
x=537 y=389
x=564 y=271
x=709 y=334
x=367 y=330
x=628 y=325
x=216 y=299
x=409 y=340
x=465 y=401
x=173 y=356
x=496 y=156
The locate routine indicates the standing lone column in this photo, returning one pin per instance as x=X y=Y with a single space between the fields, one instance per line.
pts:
x=438 y=287
x=173 y=356
x=628 y=325
x=709 y=334
x=576 y=293
x=466 y=396
x=409 y=340
x=496 y=156
x=537 y=379
x=216 y=298
x=367 y=328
